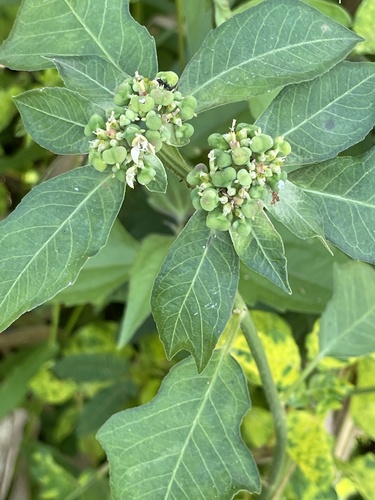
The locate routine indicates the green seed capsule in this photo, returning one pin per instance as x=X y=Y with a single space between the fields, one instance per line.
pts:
x=194 y=177
x=223 y=178
x=209 y=199
x=244 y=177
x=187 y=107
x=261 y=143
x=158 y=96
x=242 y=227
x=223 y=159
x=185 y=131
x=241 y=156
x=285 y=148
x=145 y=104
x=247 y=128
x=122 y=95
x=250 y=208
x=217 y=220
x=146 y=175
x=195 y=199
x=217 y=141
x=96 y=160
x=257 y=192
x=114 y=155
x=167 y=78
x=130 y=133
x=153 y=120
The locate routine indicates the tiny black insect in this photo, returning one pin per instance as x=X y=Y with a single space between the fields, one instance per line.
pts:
x=165 y=84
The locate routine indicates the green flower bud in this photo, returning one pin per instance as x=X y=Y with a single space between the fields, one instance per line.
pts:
x=223 y=178
x=261 y=143
x=195 y=198
x=217 y=141
x=96 y=160
x=168 y=78
x=153 y=120
x=146 y=175
x=223 y=159
x=250 y=208
x=217 y=220
x=242 y=227
x=114 y=155
x=241 y=156
x=209 y=199
x=194 y=177
x=257 y=192
x=244 y=177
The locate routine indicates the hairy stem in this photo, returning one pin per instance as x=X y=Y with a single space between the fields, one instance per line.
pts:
x=276 y=408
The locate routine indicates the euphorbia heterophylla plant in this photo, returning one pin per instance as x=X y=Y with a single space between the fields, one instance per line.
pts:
x=129 y=117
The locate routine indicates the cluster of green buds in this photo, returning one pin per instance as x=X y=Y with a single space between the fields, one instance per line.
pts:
x=244 y=171
x=146 y=114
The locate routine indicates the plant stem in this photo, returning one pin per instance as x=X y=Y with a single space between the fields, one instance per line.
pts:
x=54 y=324
x=181 y=35
x=272 y=396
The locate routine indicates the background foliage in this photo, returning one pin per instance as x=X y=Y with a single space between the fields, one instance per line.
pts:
x=92 y=350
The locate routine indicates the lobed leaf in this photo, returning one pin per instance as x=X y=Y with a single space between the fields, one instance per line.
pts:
x=347 y=324
x=325 y=116
x=343 y=190
x=263 y=251
x=185 y=443
x=273 y=44
x=48 y=237
x=56 y=117
x=194 y=291
x=92 y=77
x=79 y=28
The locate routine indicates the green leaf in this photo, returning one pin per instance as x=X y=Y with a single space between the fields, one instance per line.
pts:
x=332 y=10
x=324 y=116
x=73 y=28
x=15 y=385
x=310 y=273
x=56 y=117
x=298 y=212
x=185 y=443
x=91 y=367
x=149 y=259
x=159 y=183
x=194 y=291
x=93 y=77
x=347 y=324
x=103 y=273
x=263 y=251
x=273 y=44
x=198 y=16
x=361 y=472
x=104 y=404
x=363 y=25
x=48 y=238
x=362 y=406
x=343 y=190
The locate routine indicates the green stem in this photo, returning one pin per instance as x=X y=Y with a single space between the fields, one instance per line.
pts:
x=272 y=396
x=181 y=35
x=56 y=309
x=71 y=323
x=171 y=158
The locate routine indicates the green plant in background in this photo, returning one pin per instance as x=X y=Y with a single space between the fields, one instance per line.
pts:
x=263 y=184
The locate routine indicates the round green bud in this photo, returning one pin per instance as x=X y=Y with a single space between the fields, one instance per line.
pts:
x=241 y=156
x=223 y=159
x=217 y=141
x=153 y=120
x=185 y=131
x=244 y=177
x=146 y=175
x=250 y=208
x=209 y=199
x=257 y=192
x=122 y=95
x=114 y=155
x=96 y=121
x=130 y=133
x=217 y=220
x=261 y=143
x=167 y=77
x=168 y=98
x=187 y=107
x=145 y=104
x=195 y=198
x=194 y=177
x=96 y=160
x=223 y=178
x=285 y=148
x=158 y=96
x=242 y=227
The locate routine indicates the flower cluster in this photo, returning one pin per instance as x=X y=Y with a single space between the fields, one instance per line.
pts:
x=244 y=171
x=145 y=114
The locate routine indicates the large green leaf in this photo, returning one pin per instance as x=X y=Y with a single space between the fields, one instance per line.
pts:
x=149 y=259
x=51 y=234
x=78 y=28
x=103 y=273
x=298 y=212
x=194 y=291
x=343 y=188
x=347 y=324
x=324 y=116
x=310 y=274
x=263 y=251
x=56 y=117
x=185 y=443
x=91 y=76
x=273 y=44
